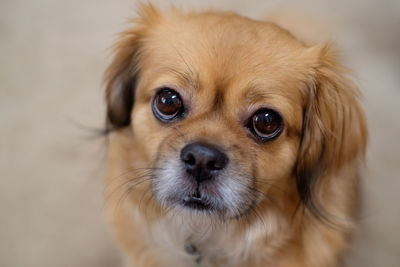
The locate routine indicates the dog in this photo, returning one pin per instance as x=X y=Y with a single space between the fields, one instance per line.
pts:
x=231 y=143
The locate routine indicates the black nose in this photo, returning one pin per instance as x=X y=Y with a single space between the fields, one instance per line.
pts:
x=203 y=161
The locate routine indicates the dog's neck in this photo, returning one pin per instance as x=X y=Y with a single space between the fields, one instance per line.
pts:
x=203 y=241
x=193 y=251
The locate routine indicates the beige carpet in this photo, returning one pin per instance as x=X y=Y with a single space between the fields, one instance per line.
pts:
x=52 y=55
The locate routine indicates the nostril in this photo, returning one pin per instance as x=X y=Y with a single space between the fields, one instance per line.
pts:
x=217 y=164
x=211 y=165
x=190 y=159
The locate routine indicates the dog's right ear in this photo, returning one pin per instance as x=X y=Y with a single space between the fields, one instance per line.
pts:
x=121 y=77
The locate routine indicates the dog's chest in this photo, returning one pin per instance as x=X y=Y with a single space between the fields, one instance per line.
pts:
x=202 y=243
x=189 y=245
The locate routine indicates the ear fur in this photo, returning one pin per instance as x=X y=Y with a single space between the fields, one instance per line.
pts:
x=122 y=75
x=334 y=129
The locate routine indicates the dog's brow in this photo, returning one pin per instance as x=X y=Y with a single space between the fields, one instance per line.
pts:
x=184 y=77
x=254 y=94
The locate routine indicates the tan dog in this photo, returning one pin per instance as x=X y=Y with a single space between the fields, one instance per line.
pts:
x=232 y=144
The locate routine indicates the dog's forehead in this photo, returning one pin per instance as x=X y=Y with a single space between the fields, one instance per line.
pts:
x=218 y=49
x=222 y=40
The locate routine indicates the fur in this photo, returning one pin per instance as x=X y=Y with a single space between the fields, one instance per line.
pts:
x=294 y=200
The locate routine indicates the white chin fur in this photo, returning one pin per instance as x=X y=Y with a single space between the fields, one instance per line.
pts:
x=230 y=194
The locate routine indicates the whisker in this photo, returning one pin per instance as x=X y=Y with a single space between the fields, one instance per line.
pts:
x=128 y=191
x=137 y=181
x=142 y=197
x=130 y=171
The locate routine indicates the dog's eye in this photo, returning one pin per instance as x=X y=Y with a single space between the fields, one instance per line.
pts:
x=266 y=124
x=167 y=105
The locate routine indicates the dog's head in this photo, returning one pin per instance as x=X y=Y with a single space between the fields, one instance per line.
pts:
x=229 y=111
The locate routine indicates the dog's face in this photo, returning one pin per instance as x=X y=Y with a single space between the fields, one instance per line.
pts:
x=226 y=110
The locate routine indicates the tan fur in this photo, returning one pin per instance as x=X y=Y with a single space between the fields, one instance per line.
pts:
x=232 y=65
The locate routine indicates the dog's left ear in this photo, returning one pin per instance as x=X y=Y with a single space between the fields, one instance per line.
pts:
x=334 y=129
x=122 y=75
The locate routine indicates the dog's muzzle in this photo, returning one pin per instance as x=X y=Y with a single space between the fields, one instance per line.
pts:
x=203 y=162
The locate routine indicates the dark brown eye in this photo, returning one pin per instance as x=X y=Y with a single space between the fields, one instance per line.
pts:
x=167 y=105
x=266 y=124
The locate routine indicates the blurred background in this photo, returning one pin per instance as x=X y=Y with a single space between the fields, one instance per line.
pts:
x=52 y=57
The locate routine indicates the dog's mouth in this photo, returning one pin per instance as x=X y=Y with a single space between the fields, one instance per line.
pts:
x=196 y=202
x=222 y=196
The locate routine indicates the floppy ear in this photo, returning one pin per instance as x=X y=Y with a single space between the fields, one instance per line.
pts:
x=334 y=128
x=121 y=76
